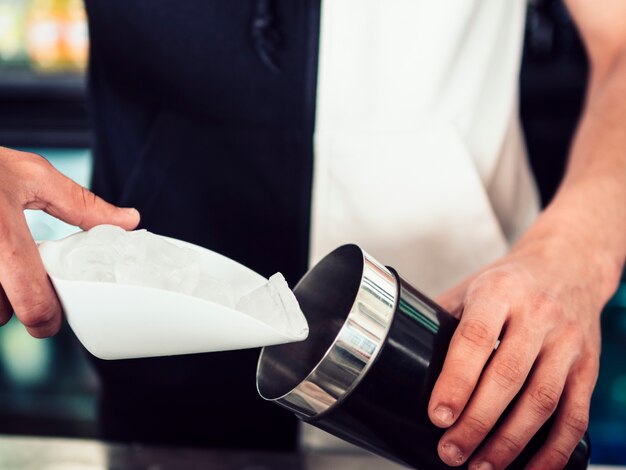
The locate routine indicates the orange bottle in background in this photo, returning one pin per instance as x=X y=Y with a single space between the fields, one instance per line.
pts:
x=57 y=37
x=43 y=34
x=75 y=36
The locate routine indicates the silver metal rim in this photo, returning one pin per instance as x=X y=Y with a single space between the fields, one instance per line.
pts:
x=355 y=349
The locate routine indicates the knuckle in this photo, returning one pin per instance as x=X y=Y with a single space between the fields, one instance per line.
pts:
x=572 y=333
x=477 y=332
x=478 y=424
x=590 y=364
x=511 y=443
x=17 y=162
x=508 y=372
x=85 y=200
x=497 y=278
x=33 y=171
x=546 y=304
x=87 y=197
x=34 y=166
x=37 y=313
x=558 y=457
x=591 y=359
x=487 y=286
x=577 y=421
x=545 y=398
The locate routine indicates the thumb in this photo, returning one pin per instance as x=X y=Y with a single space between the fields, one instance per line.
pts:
x=67 y=200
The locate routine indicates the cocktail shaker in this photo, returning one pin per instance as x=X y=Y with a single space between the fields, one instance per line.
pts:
x=365 y=374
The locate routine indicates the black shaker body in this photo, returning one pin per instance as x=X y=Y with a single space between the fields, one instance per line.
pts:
x=370 y=386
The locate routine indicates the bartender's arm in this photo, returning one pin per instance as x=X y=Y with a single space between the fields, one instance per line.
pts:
x=543 y=300
x=28 y=181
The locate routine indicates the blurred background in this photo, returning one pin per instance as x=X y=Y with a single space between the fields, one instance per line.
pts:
x=47 y=387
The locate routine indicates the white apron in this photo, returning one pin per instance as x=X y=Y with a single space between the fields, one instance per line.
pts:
x=419 y=157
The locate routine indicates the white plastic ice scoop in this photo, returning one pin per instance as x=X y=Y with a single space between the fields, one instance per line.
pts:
x=137 y=294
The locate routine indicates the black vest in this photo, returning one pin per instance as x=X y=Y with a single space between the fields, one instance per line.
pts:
x=204 y=114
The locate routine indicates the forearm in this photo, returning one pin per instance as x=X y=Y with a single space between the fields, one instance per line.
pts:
x=588 y=214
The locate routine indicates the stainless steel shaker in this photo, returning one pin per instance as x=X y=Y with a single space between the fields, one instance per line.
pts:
x=365 y=373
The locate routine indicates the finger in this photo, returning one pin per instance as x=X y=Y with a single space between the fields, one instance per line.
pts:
x=502 y=379
x=470 y=348
x=64 y=199
x=24 y=278
x=6 y=311
x=571 y=420
x=534 y=407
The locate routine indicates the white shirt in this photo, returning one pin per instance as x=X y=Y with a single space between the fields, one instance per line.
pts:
x=419 y=157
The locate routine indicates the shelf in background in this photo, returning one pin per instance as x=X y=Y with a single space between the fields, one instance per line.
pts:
x=16 y=83
x=43 y=110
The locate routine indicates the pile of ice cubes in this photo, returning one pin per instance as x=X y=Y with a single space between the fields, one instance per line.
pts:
x=110 y=254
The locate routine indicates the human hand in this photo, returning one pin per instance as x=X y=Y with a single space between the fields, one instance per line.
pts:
x=28 y=181
x=543 y=302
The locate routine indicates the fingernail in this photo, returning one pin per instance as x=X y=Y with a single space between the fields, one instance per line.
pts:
x=482 y=466
x=444 y=415
x=451 y=454
x=131 y=211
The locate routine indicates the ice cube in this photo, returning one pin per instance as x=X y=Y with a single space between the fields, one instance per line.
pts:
x=110 y=254
x=149 y=261
x=104 y=235
x=92 y=256
x=275 y=305
x=91 y=263
x=215 y=290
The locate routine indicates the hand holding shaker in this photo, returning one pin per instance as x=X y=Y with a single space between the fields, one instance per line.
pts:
x=365 y=373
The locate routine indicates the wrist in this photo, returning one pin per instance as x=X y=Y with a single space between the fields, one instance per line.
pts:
x=576 y=245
